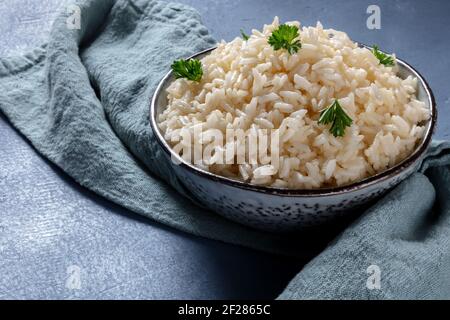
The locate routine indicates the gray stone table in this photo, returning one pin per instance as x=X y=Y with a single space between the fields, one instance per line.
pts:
x=60 y=241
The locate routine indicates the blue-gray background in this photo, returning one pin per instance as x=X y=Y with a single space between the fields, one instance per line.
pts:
x=48 y=223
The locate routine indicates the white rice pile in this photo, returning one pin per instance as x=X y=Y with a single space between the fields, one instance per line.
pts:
x=248 y=85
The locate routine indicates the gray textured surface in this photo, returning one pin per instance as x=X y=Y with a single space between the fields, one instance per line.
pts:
x=47 y=223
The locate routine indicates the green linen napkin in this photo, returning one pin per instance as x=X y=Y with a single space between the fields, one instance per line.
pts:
x=82 y=100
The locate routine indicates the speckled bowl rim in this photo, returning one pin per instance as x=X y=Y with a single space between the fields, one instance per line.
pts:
x=322 y=192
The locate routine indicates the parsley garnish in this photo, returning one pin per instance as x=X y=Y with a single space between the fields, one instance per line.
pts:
x=285 y=38
x=244 y=36
x=339 y=120
x=189 y=69
x=384 y=59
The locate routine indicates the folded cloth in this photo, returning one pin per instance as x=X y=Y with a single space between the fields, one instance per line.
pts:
x=82 y=100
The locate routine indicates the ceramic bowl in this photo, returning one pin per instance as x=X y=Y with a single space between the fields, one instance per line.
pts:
x=281 y=210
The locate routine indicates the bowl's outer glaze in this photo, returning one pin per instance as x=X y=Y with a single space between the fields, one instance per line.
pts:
x=279 y=213
x=279 y=210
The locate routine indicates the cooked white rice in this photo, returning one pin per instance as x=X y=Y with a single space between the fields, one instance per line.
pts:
x=247 y=85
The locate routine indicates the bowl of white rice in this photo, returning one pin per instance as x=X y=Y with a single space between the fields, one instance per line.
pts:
x=287 y=133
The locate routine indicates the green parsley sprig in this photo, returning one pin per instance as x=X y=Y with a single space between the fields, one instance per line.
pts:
x=244 y=35
x=286 y=37
x=384 y=58
x=190 y=69
x=339 y=120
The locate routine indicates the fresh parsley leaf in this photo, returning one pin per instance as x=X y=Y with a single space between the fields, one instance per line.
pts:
x=339 y=120
x=244 y=36
x=285 y=38
x=189 y=69
x=384 y=59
